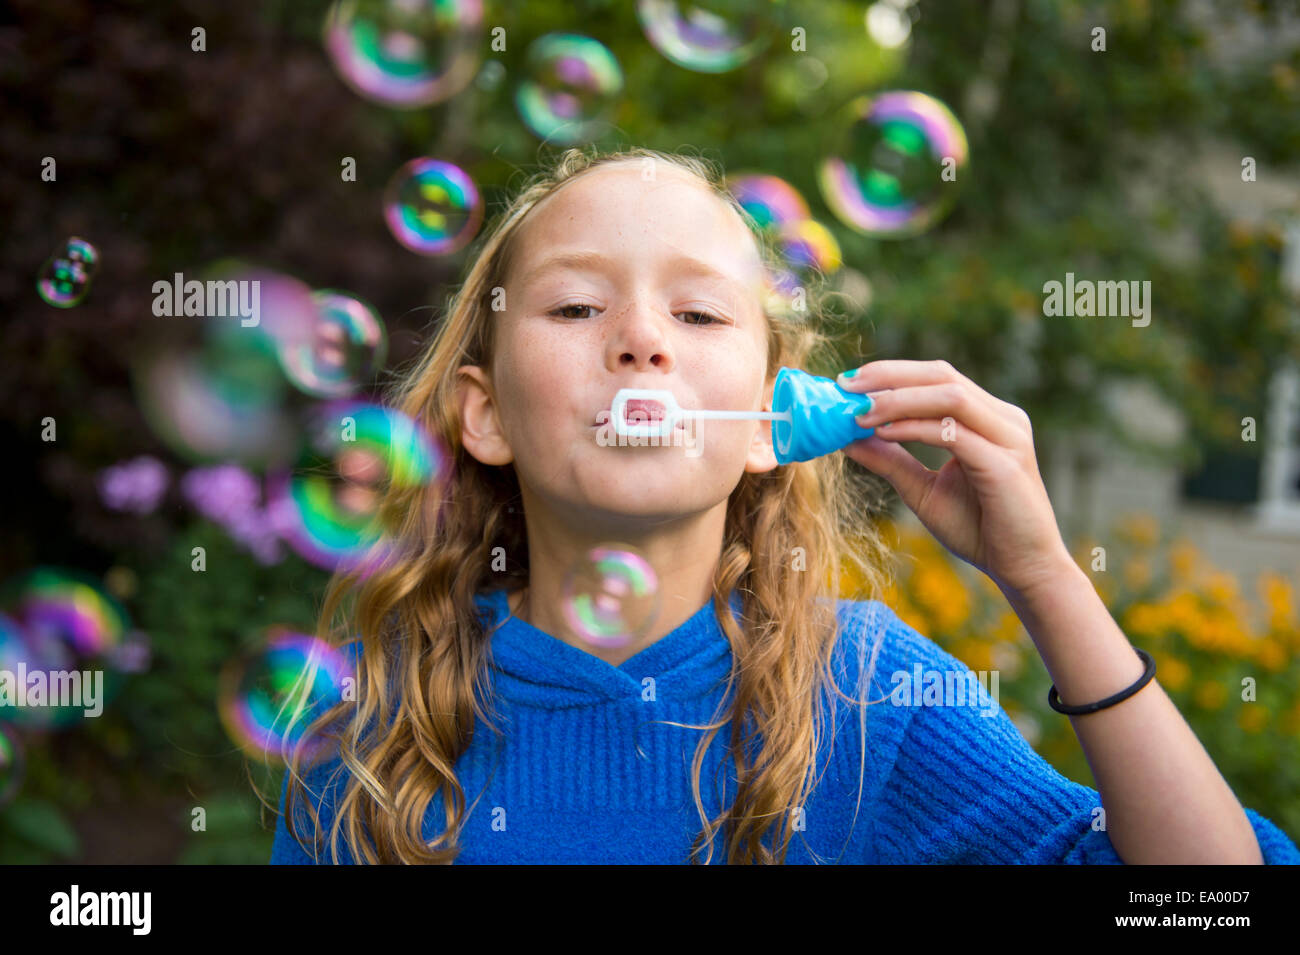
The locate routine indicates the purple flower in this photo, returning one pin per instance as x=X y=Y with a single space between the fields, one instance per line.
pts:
x=136 y=485
x=229 y=496
x=255 y=531
x=222 y=494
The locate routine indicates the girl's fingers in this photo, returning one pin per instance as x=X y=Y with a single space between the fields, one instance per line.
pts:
x=966 y=445
x=898 y=373
x=962 y=402
x=910 y=478
x=894 y=373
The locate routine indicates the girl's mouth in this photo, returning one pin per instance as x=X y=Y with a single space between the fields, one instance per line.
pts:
x=639 y=411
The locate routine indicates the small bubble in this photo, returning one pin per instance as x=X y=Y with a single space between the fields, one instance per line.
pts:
x=66 y=276
x=611 y=596
x=572 y=83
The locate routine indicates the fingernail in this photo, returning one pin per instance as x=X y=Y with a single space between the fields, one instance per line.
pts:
x=863 y=408
x=849 y=374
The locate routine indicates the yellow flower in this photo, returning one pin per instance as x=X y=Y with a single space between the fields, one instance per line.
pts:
x=1210 y=695
x=1137 y=574
x=1183 y=559
x=1144 y=620
x=939 y=590
x=976 y=654
x=1008 y=629
x=1172 y=672
x=1277 y=594
x=1252 y=717
x=1271 y=654
x=911 y=616
x=1141 y=529
x=1221 y=587
x=1184 y=611
x=1105 y=586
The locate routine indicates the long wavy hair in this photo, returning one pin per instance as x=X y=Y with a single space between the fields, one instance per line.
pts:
x=794 y=534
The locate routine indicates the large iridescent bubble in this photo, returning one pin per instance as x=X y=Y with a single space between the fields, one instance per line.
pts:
x=66 y=275
x=611 y=596
x=771 y=200
x=62 y=606
x=268 y=698
x=223 y=398
x=809 y=245
x=57 y=622
x=571 y=85
x=347 y=348
x=328 y=507
x=405 y=53
x=432 y=207
x=711 y=37
x=898 y=163
x=804 y=244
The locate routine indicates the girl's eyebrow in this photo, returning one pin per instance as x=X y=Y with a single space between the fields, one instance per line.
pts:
x=677 y=265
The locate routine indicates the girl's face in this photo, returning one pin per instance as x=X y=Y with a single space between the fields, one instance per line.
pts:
x=624 y=282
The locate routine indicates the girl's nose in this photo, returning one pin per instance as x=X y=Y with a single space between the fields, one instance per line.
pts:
x=639 y=339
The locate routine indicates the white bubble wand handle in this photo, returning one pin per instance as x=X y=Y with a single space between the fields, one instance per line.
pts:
x=674 y=413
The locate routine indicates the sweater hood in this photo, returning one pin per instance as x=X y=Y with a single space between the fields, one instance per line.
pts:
x=533 y=668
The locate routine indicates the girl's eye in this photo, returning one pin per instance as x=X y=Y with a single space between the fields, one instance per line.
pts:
x=700 y=318
x=565 y=308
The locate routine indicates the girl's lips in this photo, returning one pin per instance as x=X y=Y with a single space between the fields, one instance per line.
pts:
x=637 y=411
x=648 y=413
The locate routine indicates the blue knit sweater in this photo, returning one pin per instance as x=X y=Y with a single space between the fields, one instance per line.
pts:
x=583 y=772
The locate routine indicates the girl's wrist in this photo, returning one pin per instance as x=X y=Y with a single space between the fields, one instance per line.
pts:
x=1060 y=577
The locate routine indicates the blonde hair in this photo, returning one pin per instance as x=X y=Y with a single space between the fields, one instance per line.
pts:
x=421 y=674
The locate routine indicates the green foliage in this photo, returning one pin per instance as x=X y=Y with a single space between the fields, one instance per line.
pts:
x=34 y=831
x=234 y=834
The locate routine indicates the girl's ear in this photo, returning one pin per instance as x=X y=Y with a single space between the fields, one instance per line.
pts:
x=762 y=456
x=480 y=429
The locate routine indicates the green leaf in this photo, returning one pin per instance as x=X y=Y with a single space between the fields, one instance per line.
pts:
x=41 y=824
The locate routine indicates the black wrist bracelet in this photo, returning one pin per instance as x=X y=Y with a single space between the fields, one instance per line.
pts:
x=1054 y=701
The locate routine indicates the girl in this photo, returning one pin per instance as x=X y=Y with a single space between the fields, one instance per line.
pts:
x=639 y=270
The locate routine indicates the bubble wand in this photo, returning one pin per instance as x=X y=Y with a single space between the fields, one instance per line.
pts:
x=811 y=415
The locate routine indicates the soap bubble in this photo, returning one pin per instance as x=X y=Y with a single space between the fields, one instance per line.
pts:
x=705 y=40
x=223 y=399
x=570 y=87
x=65 y=278
x=267 y=698
x=13 y=765
x=885 y=175
x=328 y=507
x=772 y=201
x=807 y=244
x=432 y=207
x=21 y=656
x=611 y=596
x=57 y=605
x=405 y=53
x=208 y=410
x=780 y=210
x=56 y=622
x=347 y=349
